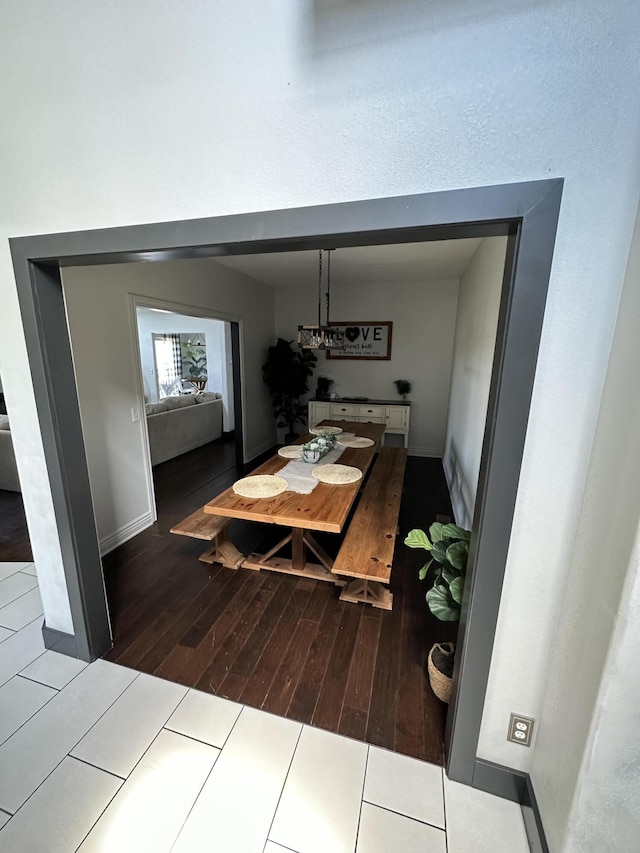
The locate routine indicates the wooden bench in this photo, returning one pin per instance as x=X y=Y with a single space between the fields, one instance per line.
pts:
x=213 y=528
x=367 y=551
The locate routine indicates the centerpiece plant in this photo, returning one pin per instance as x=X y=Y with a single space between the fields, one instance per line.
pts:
x=448 y=547
x=316 y=448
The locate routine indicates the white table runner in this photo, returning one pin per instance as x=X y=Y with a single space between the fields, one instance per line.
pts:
x=298 y=475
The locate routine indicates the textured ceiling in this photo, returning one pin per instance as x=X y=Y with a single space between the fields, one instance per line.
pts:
x=401 y=262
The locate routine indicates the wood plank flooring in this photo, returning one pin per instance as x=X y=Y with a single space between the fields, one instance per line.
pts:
x=14 y=536
x=271 y=641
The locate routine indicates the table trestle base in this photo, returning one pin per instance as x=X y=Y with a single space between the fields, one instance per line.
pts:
x=223 y=552
x=285 y=566
x=361 y=591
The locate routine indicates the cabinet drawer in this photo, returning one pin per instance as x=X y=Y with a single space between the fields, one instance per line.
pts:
x=343 y=410
x=371 y=411
x=370 y=420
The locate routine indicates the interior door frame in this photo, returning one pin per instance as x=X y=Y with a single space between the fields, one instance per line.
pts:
x=526 y=212
x=137 y=300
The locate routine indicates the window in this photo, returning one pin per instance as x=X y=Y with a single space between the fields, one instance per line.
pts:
x=166 y=349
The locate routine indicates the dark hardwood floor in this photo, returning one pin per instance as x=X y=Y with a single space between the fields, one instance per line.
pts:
x=14 y=536
x=275 y=642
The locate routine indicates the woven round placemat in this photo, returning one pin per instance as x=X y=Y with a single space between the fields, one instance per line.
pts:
x=316 y=430
x=291 y=451
x=356 y=441
x=337 y=475
x=260 y=486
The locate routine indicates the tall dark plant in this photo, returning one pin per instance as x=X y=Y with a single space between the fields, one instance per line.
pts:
x=286 y=372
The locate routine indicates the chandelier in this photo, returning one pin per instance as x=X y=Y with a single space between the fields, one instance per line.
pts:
x=327 y=336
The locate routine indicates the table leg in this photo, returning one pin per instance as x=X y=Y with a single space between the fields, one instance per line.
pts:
x=297 y=565
x=298 y=549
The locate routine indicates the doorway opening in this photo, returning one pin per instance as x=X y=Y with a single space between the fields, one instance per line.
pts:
x=188 y=398
x=526 y=213
x=257 y=639
x=15 y=546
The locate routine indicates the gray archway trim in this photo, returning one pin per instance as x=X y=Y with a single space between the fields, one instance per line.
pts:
x=528 y=212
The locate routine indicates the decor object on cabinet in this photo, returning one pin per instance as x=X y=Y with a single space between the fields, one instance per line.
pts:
x=370 y=340
x=394 y=415
x=323 y=383
x=321 y=337
x=449 y=550
x=286 y=372
x=403 y=386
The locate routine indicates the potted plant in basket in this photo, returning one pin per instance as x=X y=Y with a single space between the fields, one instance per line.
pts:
x=449 y=550
x=286 y=372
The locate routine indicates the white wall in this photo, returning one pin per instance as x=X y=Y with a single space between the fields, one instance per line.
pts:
x=107 y=370
x=591 y=714
x=152 y=322
x=136 y=112
x=475 y=338
x=423 y=316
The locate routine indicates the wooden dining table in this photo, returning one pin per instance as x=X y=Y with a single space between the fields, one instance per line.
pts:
x=325 y=509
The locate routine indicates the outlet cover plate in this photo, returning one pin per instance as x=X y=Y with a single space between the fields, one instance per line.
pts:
x=520 y=729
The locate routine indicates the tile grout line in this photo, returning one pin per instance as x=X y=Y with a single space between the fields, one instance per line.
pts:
x=123 y=779
x=15 y=633
x=444 y=809
x=275 y=811
x=362 y=800
x=115 y=775
x=107 y=804
x=42 y=683
x=15 y=601
x=12 y=632
x=34 y=713
x=407 y=816
x=18 y=597
x=67 y=754
x=153 y=740
x=197 y=796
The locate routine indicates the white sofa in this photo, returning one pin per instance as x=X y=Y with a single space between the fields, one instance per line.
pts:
x=179 y=424
x=8 y=471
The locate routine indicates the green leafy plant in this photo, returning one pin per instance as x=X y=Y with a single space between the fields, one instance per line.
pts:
x=195 y=359
x=403 y=386
x=449 y=550
x=286 y=372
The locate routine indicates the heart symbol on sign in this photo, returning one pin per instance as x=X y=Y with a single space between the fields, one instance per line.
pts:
x=352 y=333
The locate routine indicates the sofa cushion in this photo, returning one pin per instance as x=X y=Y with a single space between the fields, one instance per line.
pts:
x=4 y=422
x=156 y=408
x=179 y=402
x=207 y=396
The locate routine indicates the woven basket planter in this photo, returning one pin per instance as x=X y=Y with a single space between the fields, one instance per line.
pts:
x=440 y=684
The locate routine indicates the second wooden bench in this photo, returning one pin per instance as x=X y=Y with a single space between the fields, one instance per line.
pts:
x=213 y=528
x=367 y=551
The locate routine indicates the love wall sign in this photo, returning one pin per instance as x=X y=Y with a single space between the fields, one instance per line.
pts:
x=364 y=340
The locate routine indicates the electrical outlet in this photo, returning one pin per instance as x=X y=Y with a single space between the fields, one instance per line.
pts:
x=520 y=729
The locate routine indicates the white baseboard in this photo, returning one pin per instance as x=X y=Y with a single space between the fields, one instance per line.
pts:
x=262 y=448
x=126 y=532
x=456 y=502
x=423 y=451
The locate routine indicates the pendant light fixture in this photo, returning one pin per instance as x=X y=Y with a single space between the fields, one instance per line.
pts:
x=321 y=337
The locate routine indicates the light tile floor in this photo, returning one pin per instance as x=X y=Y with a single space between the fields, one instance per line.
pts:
x=102 y=758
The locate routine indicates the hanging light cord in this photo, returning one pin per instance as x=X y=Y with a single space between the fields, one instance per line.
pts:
x=328 y=283
x=319 y=288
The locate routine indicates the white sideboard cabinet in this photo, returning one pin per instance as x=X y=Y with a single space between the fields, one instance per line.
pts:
x=394 y=415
